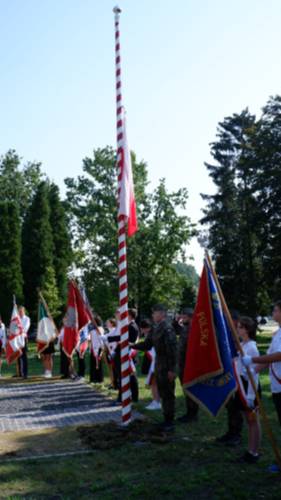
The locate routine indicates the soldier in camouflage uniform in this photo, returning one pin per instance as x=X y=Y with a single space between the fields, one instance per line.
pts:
x=182 y=327
x=163 y=338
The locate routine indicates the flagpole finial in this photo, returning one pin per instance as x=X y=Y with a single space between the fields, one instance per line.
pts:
x=117 y=11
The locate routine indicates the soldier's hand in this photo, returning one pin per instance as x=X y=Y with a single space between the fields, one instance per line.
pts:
x=171 y=376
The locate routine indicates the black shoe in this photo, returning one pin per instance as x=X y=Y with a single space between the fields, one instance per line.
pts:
x=185 y=419
x=248 y=458
x=229 y=439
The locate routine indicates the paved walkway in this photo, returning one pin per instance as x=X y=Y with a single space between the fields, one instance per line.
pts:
x=39 y=405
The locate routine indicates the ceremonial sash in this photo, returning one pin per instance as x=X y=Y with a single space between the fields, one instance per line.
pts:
x=274 y=374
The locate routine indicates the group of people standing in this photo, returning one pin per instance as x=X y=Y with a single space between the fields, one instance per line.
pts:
x=244 y=404
x=164 y=360
x=22 y=361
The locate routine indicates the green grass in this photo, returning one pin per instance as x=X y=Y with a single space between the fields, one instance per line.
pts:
x=190 y=466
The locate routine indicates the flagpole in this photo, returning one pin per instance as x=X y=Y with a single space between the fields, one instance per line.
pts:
x=250 y=376
x=122 y=245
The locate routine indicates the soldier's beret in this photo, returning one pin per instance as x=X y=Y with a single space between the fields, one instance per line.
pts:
x=188 y=311
x=159 y=307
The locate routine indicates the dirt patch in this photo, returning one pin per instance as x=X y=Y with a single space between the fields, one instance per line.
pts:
x=112 y=435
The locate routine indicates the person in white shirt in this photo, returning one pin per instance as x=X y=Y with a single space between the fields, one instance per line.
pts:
x=96 y=353
x=271 y=360
x=148 y=368
x=23 y=361
x=111 y=325
x=66 y=364
x=3 y=340
x=246 y=394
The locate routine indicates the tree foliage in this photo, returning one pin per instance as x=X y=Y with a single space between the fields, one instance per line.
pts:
x=10 y=258
x=243 y=216
x=164 y=230
x=38 y=247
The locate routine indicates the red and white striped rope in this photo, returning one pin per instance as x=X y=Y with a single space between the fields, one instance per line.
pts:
x=122 y=245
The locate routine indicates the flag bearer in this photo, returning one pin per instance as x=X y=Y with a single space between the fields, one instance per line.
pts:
x=271 y=360
x=182 y=327
x=163 y=339
x=23 y=361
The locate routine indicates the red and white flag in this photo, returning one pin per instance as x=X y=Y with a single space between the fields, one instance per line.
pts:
x=77 y=316
x=16 y=337
x=127 y=202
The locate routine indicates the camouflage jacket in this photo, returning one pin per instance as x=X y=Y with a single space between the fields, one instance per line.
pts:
x=183 y=333
x=163 y=338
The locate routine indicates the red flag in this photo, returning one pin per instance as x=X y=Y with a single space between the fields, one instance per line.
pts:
x=202 y=358
x=127 y=202
x=16 y=339
x=77 y=316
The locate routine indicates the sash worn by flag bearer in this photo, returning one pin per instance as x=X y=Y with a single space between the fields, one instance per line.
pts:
x=208 y=375
x=77 y=316
x=16 y=337
x=46 y=329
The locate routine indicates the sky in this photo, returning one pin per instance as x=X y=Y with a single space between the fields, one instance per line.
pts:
x=186 y=65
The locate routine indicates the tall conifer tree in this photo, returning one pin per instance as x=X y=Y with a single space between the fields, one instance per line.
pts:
x=38 y=247
x=10 y=258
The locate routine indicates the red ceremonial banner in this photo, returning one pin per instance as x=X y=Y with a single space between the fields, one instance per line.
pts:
x=202 y=358
x=77 y=316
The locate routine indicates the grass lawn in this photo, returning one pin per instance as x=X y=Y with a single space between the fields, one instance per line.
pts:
x=189 y=466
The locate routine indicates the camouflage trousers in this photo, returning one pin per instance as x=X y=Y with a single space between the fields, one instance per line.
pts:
x=166 y=391
x=192 y=408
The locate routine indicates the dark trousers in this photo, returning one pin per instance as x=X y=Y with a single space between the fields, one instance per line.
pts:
x=192 y=408
x=166 y=391
x=64 y=364
x=81 y=366
x=23 y=363
x=276 y=396
x=96 y=372
x=133 y=378
x=234 y=417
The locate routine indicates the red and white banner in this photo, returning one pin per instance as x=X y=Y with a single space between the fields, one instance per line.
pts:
x=16 y=337
x=77 y=317
x=127 y=202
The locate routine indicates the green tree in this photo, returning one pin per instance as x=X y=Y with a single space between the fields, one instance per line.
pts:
x=190 y=282
x=38 y=248
x=268 y=193
x=10 y=258
x=50 y=292
x=233 y=214
x=62 y=256
x=152 y=252
x=18 y=183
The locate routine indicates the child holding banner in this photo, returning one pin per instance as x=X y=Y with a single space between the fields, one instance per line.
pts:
x=271 y=360
x=245 y=395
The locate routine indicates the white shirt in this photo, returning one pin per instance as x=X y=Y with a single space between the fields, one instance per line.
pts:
x=3 y=337
x=97 y=340
x=249 y=349
x=25 y=321
x=275 y=347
